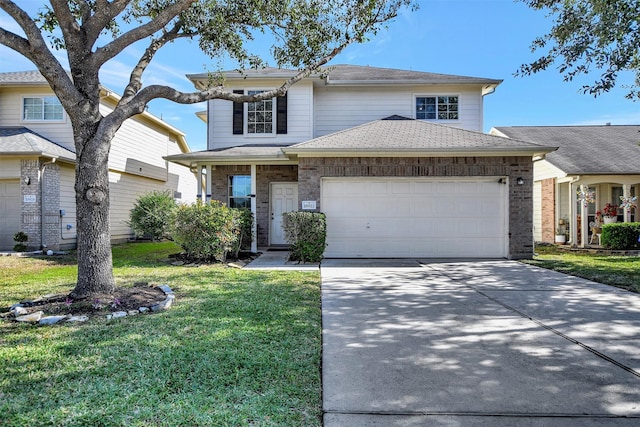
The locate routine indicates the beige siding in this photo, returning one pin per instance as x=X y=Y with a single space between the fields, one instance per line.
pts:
x=68 y=204
x=11 y=115
x=563 y=201
x=338 y=108
x=542 y=169
x=9 y=212
x=299 y=118
x=537 y=211
x=9 y=168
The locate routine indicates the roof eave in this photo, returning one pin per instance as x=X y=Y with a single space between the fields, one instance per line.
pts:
x=456 y=152
x=330 y=82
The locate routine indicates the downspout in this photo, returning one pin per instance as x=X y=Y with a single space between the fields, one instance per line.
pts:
x=573 y=212
x=42 y=206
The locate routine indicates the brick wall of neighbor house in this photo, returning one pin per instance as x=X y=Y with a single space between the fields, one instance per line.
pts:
x=32 y=211
x=548 y=209
x=311 y=170
x=265 y=175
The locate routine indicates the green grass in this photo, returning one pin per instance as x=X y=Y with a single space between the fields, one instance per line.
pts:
x=238 y=348
x=619 y=271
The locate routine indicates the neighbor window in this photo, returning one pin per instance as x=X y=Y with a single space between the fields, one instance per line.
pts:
x=259 y=115
x=437 y=107
x=42 y=108
x=239 y=191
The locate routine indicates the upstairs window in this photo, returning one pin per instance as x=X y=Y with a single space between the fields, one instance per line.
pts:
x=261 y=117
x=239 y=191
x=437 y=107
x=42 y=108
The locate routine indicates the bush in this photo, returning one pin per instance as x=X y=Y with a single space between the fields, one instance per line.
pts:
x=207 y=231
x=621 y=236
x=152 y=214
x=244 y=223
x=306 y=232
x=20 y=238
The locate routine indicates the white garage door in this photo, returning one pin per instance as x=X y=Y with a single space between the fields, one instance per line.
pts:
x=9 y=212
x=408 y=217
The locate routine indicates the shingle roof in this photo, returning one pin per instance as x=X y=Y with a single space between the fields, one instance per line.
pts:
x=22 y=141
x=398 y=134
x=249 y=152
x=586 y=149
x=343 y=74
x=22 y=77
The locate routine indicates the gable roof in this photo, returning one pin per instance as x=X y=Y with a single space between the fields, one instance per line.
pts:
x=586 y=150
x=22 y=78
x=401 y=136
x=342 y=74
x=22 y=141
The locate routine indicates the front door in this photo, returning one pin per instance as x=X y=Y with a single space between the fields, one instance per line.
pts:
x=284 y=198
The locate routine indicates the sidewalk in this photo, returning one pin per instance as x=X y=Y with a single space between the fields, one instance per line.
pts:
x=277 y=260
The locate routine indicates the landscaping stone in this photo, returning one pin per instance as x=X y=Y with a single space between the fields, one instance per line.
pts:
x=237 y=264
x=166 y=289
x=30 y=318
x=19 y=311
x=119 y=314
x=132 y=312
x=177 y=263
x=77 y=319
x=52 y=320
x=15 y=305
x=164 y=305
x=143 y=309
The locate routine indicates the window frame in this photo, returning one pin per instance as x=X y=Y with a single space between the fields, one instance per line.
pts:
x=253 y=91
x=231 y=198
x=436 y=112
x=43 y=118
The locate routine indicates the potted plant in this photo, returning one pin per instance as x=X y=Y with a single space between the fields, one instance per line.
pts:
x=609 y=213
x=561 y=232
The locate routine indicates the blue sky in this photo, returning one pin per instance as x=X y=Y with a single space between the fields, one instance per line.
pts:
x=481 y=38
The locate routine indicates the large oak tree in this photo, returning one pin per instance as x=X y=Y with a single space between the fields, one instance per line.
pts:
x=601 y=36
x=307 y=34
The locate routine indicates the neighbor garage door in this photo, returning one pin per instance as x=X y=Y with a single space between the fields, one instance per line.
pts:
x=9 y=212
x=408 y=217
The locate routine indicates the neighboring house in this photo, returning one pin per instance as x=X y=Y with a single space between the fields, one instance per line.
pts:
x=604 y=160
x=394 y=158
x=37 y=164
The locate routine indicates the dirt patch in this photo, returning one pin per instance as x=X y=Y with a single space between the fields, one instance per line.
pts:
x=123 y=299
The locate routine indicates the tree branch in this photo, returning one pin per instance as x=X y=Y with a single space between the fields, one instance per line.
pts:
x=104 y=13
x=112 y=49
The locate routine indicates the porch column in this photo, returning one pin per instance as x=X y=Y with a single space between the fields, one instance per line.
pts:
x=573 y=238
x=584 y=227
x=254 y=226
x=200 y=192
x=208 y=193
x=626 y=192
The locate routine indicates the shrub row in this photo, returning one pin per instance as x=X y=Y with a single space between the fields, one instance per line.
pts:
x=621 y=236
x=205 y=231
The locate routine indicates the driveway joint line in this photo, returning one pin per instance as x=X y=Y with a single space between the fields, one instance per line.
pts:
x=545 y=326
x=481 y=414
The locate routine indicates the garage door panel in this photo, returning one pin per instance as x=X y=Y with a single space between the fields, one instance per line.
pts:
x=406 y=217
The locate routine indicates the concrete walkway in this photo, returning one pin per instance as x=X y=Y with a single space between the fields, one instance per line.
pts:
x=278 y=260
x=493 y=343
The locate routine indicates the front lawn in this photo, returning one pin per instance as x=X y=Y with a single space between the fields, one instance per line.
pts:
x=620 y=271
x=238 y=348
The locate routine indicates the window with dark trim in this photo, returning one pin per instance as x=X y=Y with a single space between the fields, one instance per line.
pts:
x=260 y=116
x=437 y=107
x=239 y=191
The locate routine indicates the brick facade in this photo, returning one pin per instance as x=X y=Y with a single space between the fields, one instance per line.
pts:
x=312 y=170
x=548 y=209
x=31 y=204
x=265 y=174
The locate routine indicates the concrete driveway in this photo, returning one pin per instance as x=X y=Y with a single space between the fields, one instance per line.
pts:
x=483 y=343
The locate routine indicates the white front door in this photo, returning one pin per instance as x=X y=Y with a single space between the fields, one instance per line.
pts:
x=284 y=198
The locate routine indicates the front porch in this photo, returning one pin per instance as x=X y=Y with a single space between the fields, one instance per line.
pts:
x=582 y=204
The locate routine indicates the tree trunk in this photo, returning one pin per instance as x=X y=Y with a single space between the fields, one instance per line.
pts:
x=95 y=273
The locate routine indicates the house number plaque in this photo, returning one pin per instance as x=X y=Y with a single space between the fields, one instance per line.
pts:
x=308 y=205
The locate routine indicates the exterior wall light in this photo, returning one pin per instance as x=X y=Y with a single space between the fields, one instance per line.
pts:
x=27 y=180
x=520 y=181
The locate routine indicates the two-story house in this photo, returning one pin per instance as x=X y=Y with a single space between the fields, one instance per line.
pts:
x=396 y=160
x=37 y=164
